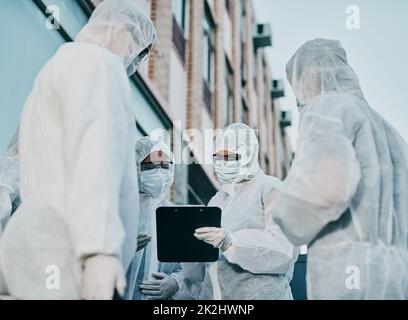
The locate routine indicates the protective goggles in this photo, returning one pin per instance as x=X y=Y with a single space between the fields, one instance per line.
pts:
x=142 y=56
x=155 y=165
x=227 y=157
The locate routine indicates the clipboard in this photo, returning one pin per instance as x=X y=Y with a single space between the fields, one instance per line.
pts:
x=175 y=228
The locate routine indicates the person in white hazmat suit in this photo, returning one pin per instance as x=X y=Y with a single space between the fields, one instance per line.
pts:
x=256 y=260
x=346 y=195
x=149 y=279
x=9 y=182
x=75 y=232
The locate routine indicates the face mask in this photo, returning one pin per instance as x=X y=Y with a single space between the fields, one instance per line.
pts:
x=227 y=171
x=155 y=182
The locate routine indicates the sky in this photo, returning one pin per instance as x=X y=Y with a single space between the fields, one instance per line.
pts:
x=377 y=51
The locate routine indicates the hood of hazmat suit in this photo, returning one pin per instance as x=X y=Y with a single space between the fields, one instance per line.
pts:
x=346 y=195
x=239 y=139
x=162 y=177
x=120 y=27
x=78 y=179
x=259 y=263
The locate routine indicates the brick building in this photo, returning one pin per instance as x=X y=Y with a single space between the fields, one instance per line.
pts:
x=211 y=68
x=208 y=69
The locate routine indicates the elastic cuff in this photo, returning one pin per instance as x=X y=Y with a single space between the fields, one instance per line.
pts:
x=229 y=253
x=178 y=278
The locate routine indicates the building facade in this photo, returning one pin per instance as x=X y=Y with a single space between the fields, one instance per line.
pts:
x=211 y=68
x=208 y=69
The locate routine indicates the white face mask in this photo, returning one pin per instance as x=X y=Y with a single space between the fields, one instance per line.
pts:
x=155 y=182
x=236 y=154
x=228 y=171
x=236 y=171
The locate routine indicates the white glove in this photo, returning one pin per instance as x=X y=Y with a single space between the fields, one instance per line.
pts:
x=103 y=274
x=162 y=288
x=217 y=237
x=143 y=240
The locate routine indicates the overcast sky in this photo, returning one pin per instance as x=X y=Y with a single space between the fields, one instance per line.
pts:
x=378 y=51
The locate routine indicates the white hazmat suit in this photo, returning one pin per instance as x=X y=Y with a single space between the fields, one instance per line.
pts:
x=76 y=229
x=154 y=186
x=258 y=263
x=347 y=192
x=9 y=181
x=150 y=199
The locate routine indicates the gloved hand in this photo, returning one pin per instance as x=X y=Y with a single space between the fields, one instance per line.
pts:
x=217 y=237
x=163 y=287
x=102 y=275
x=143 y=240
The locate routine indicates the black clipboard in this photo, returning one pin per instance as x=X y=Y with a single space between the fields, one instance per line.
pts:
x=175 y=228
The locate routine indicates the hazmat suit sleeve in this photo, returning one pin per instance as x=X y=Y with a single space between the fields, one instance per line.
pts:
x=95 y=136
x=9 y=188
x=324 y=176
x=262 y=251
x=189 y=280
x=188 y=289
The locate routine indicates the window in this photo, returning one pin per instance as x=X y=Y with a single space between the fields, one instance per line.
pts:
x=200 y=188
x=266 y=169
x=27 y=38
x=27 y=20
x=71 y=15
x=243 y=21
x=208 y=56
x=244 y=76
x=180 y=12
x=146 y=111
x=254 y=61
x=208 y=48
x=228 y=5
x=245 y=112
x=180 y=25
x=228 y=92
